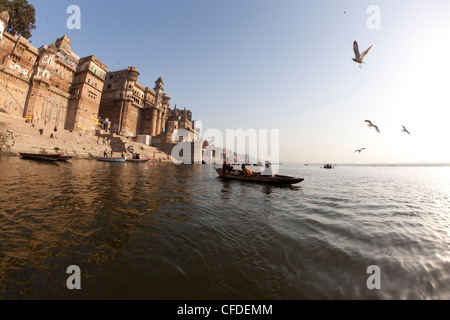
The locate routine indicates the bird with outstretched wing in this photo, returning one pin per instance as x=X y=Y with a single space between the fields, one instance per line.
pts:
x=370 y=124
x=359 y=56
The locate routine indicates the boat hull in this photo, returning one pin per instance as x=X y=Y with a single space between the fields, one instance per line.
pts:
x=138 y=160
x=42 y=157
x=107 y=159
x=65 y=157
x=239 y=175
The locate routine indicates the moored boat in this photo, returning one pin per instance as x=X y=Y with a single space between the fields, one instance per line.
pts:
x=40 y=156
x=257 y=177
x=109 y=159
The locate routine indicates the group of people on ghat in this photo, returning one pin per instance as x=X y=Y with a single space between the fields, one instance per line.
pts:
x=135 y=155
x=228 y=168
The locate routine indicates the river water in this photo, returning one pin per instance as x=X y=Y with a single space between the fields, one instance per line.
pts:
x=161 y=231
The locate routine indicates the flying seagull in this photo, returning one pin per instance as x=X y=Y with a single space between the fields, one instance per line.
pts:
x=404 y=130
x=370 y=124
x=359 y=150
x=359 y=57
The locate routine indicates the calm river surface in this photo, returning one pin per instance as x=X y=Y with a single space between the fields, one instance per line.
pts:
x=161 y=231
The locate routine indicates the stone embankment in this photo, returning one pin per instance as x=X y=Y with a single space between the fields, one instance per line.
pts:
x=18 y=136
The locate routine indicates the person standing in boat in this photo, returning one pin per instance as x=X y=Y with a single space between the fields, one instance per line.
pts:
x=267 y=172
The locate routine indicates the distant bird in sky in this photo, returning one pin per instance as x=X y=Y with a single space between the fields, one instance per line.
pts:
x=359 y=150
x=404 y=130
x=359 y=57
x=370 y=124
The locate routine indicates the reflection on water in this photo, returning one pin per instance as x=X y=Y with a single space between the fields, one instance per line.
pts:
x=56 y=214
x=160 y=231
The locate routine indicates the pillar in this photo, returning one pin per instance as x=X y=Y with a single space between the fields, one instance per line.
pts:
x=153 y=122
x=158 y=123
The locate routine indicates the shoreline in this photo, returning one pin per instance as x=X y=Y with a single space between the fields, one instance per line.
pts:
x=17 y=135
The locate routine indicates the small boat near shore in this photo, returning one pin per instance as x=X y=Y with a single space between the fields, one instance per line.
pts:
x=257 y=177
x=40 y=156
x=46 y=157
x=109 y=159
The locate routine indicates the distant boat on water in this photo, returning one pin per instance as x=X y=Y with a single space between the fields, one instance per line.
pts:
x=109 y=159
x=328 y=166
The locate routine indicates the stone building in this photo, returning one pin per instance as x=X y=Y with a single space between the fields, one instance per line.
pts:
x=180 y=119
x=17 y=59
x=65 y=89
x=132 y=108
x=50 y=84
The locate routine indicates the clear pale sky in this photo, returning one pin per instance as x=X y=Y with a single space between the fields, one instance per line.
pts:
x=285 y=65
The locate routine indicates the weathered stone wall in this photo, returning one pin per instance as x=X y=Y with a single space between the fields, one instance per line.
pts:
x=13 y=93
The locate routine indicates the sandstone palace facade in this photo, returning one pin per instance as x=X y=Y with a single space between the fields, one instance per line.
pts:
x=53 y=85
x=50 y=84
x=131 y=107
x=134 y=109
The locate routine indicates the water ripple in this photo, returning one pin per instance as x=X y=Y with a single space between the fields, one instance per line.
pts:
x=160 y=231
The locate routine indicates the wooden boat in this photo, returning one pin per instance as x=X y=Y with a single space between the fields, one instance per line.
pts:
x=257 y=177
x=137 y=160
x=39 y=156
x=109 y=159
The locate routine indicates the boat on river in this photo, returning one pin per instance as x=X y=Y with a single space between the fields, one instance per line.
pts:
x=257 y=177
x=40 y=156
x=110 y=159
x=46 y=157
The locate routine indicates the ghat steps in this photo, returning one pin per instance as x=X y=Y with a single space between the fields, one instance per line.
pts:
x=21 y=136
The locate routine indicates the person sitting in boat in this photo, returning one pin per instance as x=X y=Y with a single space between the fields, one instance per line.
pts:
x=105 y=154
x=267 y=170
x=229 y=167
x=246 y=170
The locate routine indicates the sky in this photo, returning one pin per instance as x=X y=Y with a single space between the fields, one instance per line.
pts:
x=284 y=66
